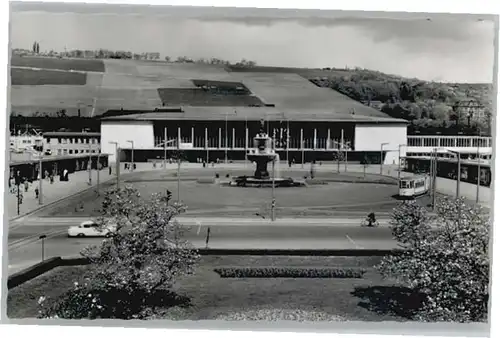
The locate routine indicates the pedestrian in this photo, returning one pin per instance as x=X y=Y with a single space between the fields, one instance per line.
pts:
x=154 y=165
x=110 y=170
x=26 y=185
x=65 y=175
x=51 y=179
x=36 y=192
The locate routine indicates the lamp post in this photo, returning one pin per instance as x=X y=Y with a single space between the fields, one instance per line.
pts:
x=132 y=159
x=89 y=167
x=40 y=172
x=457 y=153
x=165 y=149
x=226 y=135
x=98 y=167
x=42 y=237
x=399 y=160
x=433 y=173
x=287 y=139
x=17 y=181
x=303 y=144
x=178 y=172
x=117 y=162
x=273 y=201
x=478 y=168
x=225 y=146
x=382 y=156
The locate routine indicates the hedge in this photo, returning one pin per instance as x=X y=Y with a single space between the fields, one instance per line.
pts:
x=288 y=272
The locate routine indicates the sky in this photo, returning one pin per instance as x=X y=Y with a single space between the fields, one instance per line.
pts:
x=442 y=48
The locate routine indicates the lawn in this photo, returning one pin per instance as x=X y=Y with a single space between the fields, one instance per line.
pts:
x=209 y=296
x=85 y=65
x=215 y=199
x=31 y=77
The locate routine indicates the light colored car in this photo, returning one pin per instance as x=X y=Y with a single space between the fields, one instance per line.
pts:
x=91 y=229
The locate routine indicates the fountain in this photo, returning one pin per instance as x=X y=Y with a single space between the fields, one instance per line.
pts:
x=261 y=155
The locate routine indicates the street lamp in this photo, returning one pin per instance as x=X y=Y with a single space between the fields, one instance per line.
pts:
x=303 y=145
x=226 y=136
x=40 y=172
x=273 y=201
x=399 y=160
x=98 y=167
x=90 y=163
x=478 y=168
x=42 y=237
x=457 y=153
x=132 y=159
x=382 y=156
x=117 y=162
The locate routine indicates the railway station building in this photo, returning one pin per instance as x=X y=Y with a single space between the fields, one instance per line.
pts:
x=217 y=119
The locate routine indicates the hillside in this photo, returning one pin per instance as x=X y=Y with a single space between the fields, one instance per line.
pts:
x=430 y=106
x=47 y=86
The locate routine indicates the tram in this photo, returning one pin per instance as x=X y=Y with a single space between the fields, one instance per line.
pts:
x=411 y=187
x=471 y=166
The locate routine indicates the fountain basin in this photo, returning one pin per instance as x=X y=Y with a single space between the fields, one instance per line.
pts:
x=250 y=181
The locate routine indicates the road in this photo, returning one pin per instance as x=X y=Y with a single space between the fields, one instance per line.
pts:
x=25 y=247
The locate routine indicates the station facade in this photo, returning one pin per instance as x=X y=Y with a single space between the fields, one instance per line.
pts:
x=219 y=133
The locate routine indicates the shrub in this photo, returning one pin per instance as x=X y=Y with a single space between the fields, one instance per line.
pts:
x=146 y=254
x=288 y=272
x=84 y=302
x=449 y=264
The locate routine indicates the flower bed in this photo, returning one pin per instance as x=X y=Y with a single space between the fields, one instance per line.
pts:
x=288 y=272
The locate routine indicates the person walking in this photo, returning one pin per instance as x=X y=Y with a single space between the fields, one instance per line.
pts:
x=36 y=192
x=26 y=185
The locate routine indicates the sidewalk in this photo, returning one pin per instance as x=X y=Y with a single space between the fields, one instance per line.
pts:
x=388 y=170
x=78 y=182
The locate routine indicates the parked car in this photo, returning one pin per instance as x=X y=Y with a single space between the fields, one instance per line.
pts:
x=91 y=229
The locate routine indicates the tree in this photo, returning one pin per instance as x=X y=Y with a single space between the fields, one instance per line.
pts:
x=446 y=259
x=145 y=255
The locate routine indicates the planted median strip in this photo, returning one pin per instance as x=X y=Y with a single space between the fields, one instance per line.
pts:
x=288 y=272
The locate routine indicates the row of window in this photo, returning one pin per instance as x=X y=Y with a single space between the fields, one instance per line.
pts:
x=74 y=151
x=73 y=140
x=443 y=141
x=410 y=184
x=450 y=155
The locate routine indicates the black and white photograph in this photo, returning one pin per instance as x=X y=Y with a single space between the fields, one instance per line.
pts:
x=249 y=165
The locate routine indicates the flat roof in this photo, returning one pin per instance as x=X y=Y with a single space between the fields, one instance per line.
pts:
x=47 y=158
x=254 y=114
x=71 y=133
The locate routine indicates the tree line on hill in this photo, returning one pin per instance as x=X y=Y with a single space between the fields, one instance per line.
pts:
x=54 y=122
x=431 y=107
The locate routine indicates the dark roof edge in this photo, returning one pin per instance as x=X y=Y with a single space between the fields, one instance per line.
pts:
x=376 y=120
